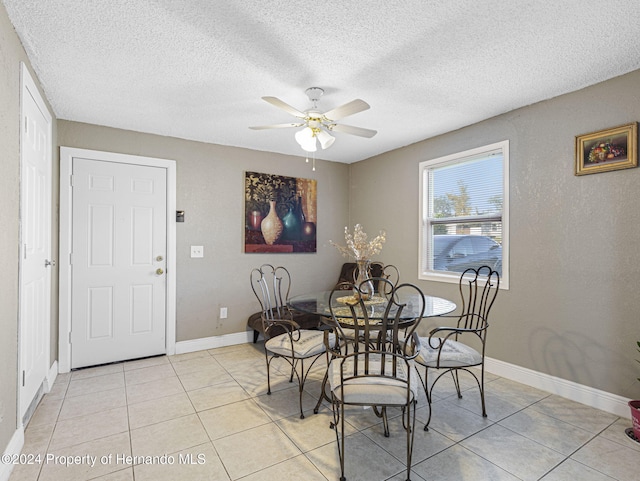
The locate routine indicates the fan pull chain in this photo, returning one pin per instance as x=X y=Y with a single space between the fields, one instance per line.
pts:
x=313 y=168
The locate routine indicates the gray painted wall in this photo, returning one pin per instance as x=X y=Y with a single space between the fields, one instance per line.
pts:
x=572 y=310
x=210 y=189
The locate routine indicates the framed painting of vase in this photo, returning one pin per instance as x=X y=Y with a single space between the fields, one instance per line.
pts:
x=279 y=214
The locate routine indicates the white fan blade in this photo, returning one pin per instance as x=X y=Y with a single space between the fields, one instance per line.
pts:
x=275 y=126
x=349 y=129
x=284 y=106
x=350 y=108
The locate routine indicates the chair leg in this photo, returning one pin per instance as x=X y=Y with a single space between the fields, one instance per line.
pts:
x=385 y=422
x=293 y=370
x=323 y=395
x=411 y=424
x=266 y=353
x=427 y=392
x=481 y=386
x=256 y=334
x=338 y=418
x=456 y=382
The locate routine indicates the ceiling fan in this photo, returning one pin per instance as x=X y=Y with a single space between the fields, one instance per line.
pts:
x=317 y=125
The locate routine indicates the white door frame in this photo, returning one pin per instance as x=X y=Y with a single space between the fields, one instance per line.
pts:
x=28 y=88
x=66 y=162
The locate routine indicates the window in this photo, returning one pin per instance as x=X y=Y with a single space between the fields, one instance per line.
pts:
x=464 y=213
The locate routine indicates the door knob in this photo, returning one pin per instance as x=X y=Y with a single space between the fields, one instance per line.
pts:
x=159 y=271
x=159 y=258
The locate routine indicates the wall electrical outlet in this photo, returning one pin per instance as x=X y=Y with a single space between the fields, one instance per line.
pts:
x=197 y=251
x=223 y=313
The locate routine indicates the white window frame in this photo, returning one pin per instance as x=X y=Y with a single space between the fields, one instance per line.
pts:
x=425 y=228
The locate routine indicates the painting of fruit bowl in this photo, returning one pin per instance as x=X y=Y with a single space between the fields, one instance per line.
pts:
x=607 y=150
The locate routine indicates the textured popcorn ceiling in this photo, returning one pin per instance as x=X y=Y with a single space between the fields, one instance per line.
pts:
x=196 y=69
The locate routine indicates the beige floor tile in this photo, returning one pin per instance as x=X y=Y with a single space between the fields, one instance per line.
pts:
x=206 y=377
x=364 y=460
x=158 y=410
x=195 y=365
x=612 y=459
x=512 y=452
x=146 y=362
x=154 y=389
x=451 y=420
x=580 y=415
x=96 y=371
x=148 y=374
x=286 y=402
x=233 y=418
x=550 y=432
x=253 y=380
x=95 y=384
x=240 y=460
x=616 y=433
x=92 y=403
x=90 y=459
x=188 y=355
x=311 y=432
x=168 y=437
x=37 y=438
x=238 y=353
x=122 y=475
x=197 y=463
x=458 y=463
x=218 y=395
x=425 y=443
x=572 y=470
x=294 y=469
x=60 y=386
x=86 y=428
x=26 y=471
x=47 y=411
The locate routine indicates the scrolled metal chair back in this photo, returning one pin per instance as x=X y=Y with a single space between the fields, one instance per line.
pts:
x=478 y=291
x=271 y=286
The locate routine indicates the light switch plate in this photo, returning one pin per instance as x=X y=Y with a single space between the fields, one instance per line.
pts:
x=197 y=251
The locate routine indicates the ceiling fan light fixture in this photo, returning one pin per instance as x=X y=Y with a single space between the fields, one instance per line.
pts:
x=306 y=139
x=326 y=139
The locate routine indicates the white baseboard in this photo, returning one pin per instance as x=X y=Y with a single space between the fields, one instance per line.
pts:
x=13 y=448
x=213 y=342
x=595 y=398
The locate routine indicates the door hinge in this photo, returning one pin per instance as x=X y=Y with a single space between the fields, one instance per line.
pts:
x=23 y=377
x=71 y=180
x=71 y=259
x=69 y=337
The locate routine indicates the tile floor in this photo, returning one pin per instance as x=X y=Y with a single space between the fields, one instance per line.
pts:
x=205 y=415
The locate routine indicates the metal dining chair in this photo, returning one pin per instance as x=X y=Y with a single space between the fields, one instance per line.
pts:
x=450 y=349
x=283 y=336
x=373 y=366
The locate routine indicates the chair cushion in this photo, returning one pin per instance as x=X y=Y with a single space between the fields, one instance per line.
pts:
x=373 y=390
x=454 y=354
x=310 y=343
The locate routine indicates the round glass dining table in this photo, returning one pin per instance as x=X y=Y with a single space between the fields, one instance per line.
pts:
x=318 y=303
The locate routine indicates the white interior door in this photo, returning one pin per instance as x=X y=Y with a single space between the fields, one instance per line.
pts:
x=35 y=235
x=118 y=262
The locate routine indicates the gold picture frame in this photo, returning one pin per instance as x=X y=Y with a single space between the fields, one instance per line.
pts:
x=607 y=150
